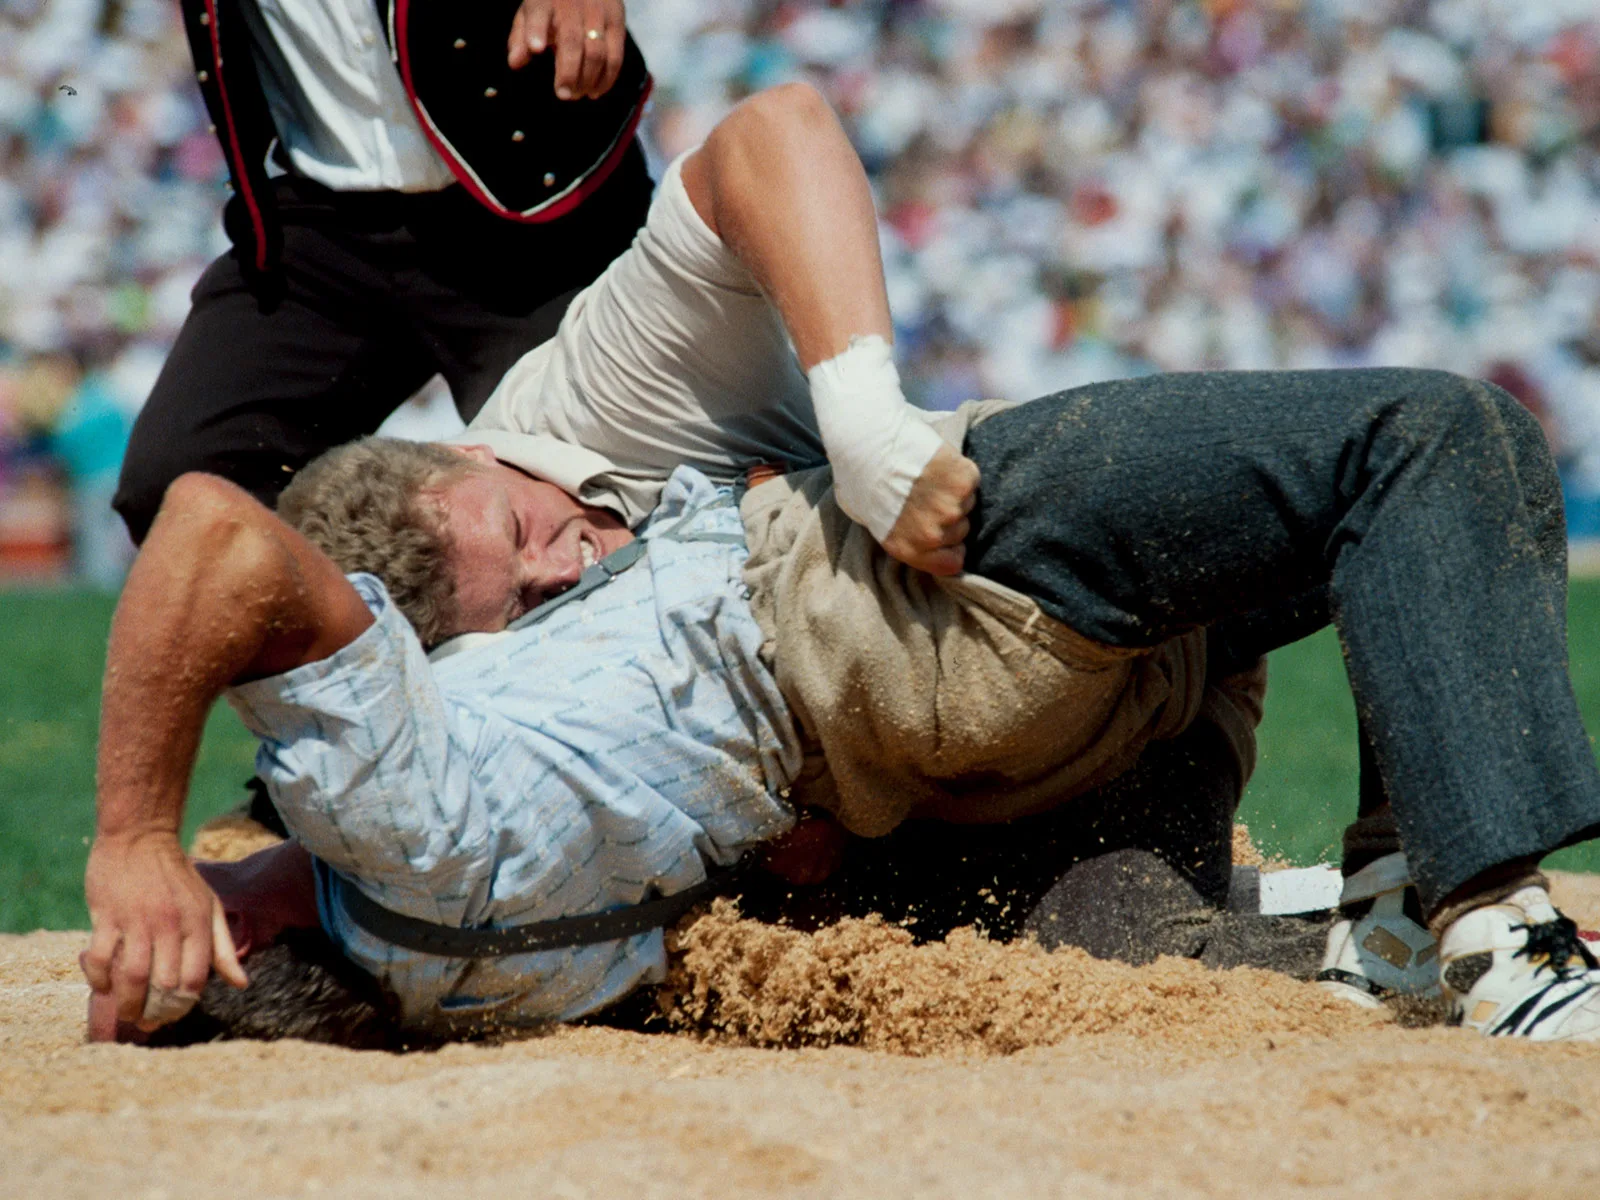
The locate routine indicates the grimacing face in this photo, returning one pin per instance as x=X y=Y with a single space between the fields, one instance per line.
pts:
x=515 y=541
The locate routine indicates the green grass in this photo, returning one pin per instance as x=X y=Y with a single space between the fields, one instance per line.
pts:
x=52 y=651
x=1304 y=789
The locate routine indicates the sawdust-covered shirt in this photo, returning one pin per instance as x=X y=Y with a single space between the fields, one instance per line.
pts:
x=603 y=755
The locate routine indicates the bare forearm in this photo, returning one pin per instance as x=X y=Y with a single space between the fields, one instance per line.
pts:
x=780 y=184
x=174 y=646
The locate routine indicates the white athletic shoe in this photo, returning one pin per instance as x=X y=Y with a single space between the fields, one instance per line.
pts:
x=1520 y=969
x=1384 y=952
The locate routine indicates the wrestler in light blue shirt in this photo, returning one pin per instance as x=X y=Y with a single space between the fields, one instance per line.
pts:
x=591 y=760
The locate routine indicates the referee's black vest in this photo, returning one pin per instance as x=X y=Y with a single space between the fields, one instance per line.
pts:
x=516 y=148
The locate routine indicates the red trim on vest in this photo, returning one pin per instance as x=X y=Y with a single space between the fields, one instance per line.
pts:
x=256 y=220
x=591 y=182
x=600 y=174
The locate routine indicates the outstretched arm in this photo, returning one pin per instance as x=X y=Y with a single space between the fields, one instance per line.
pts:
x=222 y=592
x=780 y=184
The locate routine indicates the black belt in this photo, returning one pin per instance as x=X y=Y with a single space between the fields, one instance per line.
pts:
x=453 y=941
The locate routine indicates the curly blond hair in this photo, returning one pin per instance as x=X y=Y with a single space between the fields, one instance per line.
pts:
x=369 y=505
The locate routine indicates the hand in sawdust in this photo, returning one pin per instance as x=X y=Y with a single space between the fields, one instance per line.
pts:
x=932 y=526
x=158 y=929
x=808 y=853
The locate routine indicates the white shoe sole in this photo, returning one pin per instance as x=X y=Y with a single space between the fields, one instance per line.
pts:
x=1350 y=993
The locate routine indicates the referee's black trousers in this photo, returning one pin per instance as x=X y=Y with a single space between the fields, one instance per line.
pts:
x=379 y=292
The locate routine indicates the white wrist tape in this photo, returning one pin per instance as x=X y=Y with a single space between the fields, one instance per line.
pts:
x=877 y=442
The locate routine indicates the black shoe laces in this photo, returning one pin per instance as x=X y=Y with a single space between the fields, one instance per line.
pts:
x=1558 y=943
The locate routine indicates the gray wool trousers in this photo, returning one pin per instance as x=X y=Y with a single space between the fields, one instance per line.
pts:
x=1417 y=511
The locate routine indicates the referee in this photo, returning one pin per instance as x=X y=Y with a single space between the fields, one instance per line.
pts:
x=418 y=187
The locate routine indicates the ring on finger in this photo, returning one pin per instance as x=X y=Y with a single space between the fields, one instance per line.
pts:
x=165 y=1005
x=593 y=35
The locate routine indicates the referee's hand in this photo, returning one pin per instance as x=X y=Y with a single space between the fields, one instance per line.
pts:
x=587 y=36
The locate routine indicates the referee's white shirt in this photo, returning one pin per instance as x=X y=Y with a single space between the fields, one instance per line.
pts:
x=336 y=98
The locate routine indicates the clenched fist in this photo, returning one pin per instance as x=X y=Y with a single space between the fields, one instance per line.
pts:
x=933 y=524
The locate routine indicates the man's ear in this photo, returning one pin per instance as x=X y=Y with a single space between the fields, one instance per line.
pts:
x=477 y=452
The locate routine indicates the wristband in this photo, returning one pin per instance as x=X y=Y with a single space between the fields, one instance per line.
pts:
x=877 y=442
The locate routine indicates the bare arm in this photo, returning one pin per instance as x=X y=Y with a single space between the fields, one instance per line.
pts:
x=780 y=184
x=222 y=592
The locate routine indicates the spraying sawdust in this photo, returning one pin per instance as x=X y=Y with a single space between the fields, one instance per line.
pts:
x=867 y=983
x=1164 y=1081
x=864 y=983
x=1247 y=854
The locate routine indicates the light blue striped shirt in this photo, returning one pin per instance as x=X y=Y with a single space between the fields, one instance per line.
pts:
x=589 y=761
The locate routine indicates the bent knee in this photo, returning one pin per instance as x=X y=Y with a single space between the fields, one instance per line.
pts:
x=1437 y=402
x=1530 y=445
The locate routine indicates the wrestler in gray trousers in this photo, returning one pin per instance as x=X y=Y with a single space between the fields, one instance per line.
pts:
x=1424 y=506
x=1418 y=511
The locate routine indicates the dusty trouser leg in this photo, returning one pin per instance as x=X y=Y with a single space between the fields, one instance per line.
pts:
x=1136 y=510
x=1374 y=833
x=1131 y=871
x=1177 y=802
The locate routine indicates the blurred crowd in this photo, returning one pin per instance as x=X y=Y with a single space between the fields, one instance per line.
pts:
x=1071 y=190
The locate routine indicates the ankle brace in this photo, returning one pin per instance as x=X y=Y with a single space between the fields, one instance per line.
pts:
x=877 y=442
